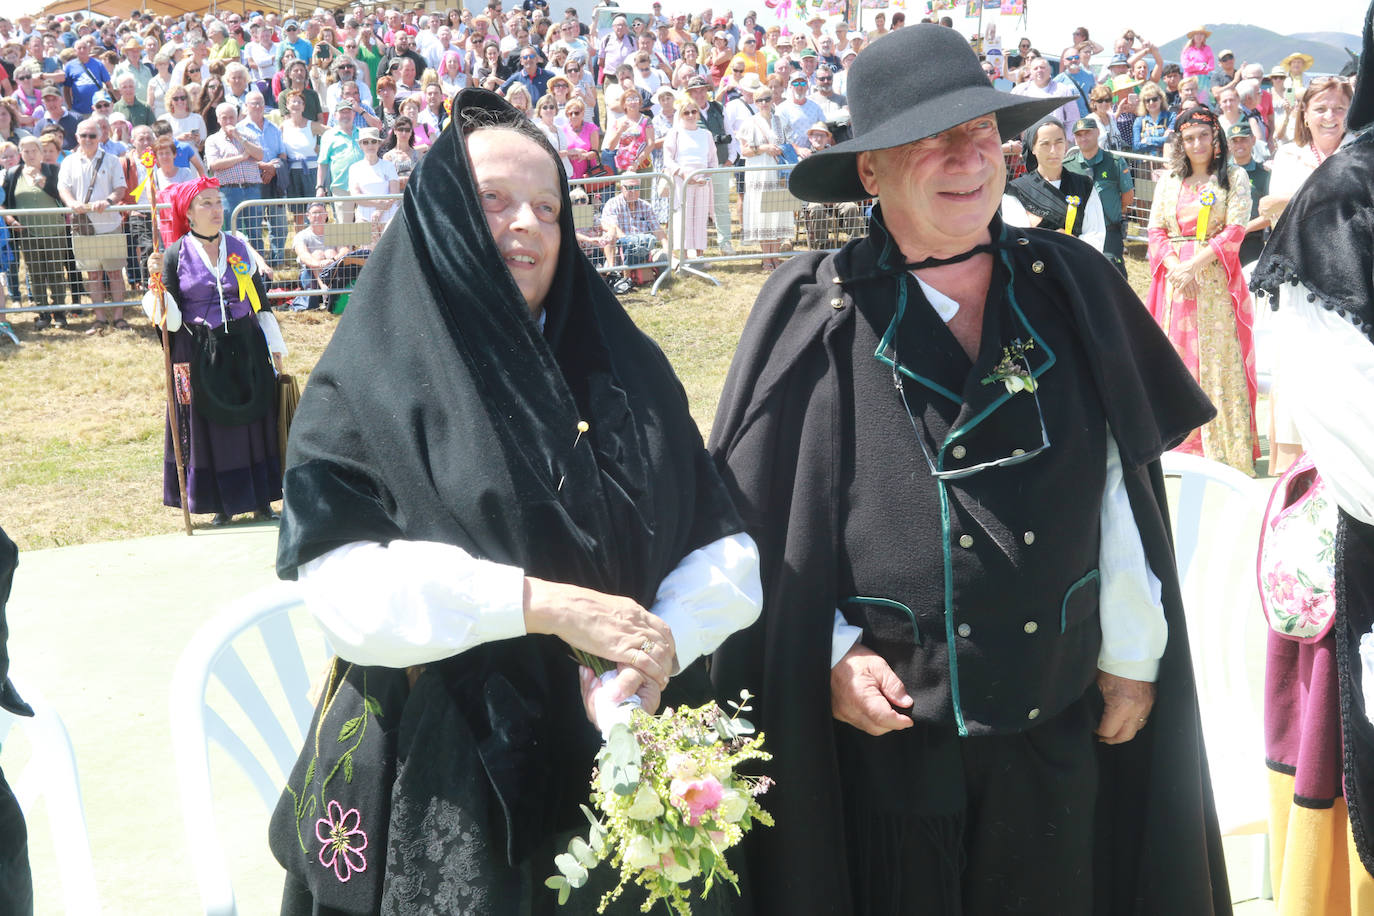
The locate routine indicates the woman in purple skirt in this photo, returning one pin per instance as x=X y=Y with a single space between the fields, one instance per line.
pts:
x=225 y=349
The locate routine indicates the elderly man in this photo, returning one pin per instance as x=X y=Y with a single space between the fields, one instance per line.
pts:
x=85 y=76
x=54 y=114
x=630 y=229
x=339 y=149
x=133 y=64
x=972 y=665
x=233 y=158
x=127 y=103
x=90 y=182
x=267 y=136
x=615 y=48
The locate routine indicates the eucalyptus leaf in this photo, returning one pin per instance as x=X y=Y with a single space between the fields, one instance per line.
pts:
x=564 y=893
x=582 y=852
x=555 y=882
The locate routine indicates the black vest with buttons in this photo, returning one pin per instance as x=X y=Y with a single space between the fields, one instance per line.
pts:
x=980 y=591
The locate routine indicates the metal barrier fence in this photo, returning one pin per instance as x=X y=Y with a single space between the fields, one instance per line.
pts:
x=47 y=262
x=1145 y=172
x=46 y=265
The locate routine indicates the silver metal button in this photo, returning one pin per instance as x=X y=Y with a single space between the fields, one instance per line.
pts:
x=1023 y=241
x=837 y=303
x=836 y=280
x=1031 y=626
x=1029 y=538
x=965 y=540
x=1038 y=266
x=958 y=451
x=1034 y=713
x=1017 y=452
x=964 y=629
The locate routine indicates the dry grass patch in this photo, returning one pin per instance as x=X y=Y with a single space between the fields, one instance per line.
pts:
x=81 y=419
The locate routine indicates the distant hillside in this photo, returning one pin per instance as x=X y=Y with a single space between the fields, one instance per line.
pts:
x=1255 y=45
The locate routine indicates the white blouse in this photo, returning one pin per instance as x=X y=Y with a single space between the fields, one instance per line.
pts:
x=414 y=602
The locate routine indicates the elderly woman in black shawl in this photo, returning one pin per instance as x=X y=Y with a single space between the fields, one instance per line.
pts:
x=488 y=469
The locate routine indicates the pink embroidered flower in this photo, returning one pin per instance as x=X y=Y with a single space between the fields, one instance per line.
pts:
x=1314 y=608
x=697 y=796
x=343 y=841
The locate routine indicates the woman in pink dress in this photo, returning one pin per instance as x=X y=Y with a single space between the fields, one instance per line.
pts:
x=584 y=142
x=1197 y=292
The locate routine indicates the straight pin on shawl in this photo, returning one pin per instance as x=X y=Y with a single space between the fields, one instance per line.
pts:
x=582 y=427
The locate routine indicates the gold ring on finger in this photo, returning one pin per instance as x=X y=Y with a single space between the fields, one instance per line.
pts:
x=647 y=647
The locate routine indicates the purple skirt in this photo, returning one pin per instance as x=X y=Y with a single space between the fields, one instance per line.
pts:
x=229 y=469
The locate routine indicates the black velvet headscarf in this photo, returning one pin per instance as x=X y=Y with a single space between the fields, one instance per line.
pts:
x=440 y=412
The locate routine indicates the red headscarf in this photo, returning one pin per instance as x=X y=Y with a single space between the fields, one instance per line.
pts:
x=180 y=197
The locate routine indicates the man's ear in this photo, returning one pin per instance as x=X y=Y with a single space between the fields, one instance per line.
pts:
x=867 y=174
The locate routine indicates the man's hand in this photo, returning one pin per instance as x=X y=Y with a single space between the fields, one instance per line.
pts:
x=863 y=690
x=1128 y=705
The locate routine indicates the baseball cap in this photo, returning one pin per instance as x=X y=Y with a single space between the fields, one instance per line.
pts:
x=49 y=91
x=1226 y=52
x=1240 y=129
x=698 y=82
x=807 y=52
x=1119 y=60
x=1084 y=124
x=290 y=24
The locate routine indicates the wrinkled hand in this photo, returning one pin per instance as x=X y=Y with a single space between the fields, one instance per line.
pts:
x=1128 y=705
x=612 y=627
x=863 y=690
x=628 y=682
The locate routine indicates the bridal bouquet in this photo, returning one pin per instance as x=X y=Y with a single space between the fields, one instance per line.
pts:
x=670 y=802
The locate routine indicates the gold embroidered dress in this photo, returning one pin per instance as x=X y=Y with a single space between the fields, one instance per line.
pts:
x=1213 y=333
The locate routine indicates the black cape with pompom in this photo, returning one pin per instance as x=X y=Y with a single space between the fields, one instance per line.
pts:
x=440 y=412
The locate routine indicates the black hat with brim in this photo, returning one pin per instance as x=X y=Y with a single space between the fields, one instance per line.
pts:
x=917 y=82
x=1361 y=113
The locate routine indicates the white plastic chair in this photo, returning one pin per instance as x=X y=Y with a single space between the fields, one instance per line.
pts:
x=1217 y=512
x=50 y=774
x=211 y=654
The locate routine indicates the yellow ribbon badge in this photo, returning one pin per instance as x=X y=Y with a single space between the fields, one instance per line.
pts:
x=1204 y=213
x=148 y=162
x=247 y=291
x=1073 y=201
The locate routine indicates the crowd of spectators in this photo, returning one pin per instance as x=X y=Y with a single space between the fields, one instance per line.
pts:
x=342 y=105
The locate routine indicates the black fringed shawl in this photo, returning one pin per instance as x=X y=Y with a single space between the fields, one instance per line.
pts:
x=1325 y=238
x=440 y=412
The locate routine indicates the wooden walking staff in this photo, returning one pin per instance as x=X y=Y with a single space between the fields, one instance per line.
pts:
x=158 y=292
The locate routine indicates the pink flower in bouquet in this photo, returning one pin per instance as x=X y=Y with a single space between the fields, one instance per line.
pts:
x=697 y=796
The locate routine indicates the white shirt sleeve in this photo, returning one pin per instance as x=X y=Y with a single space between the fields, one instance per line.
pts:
x=1094 y=224
x=414 y=602
x=842 y=638
x=1134 y=631
x=1013 y=213
x=1328 y=377
x=712 y=593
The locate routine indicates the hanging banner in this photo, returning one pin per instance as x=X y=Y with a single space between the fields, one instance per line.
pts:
x=1013 y=7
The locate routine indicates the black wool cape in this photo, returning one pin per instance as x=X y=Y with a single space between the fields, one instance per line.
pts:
x=776 y=440
x=441 y=412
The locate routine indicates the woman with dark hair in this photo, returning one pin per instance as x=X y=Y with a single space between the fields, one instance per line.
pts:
x=545 y=489
x=1049 y=196
x=211 y=95
x=400 y=146
x=298 y=78
x=1197 y=291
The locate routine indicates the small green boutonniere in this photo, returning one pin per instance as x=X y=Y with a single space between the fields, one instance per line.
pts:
x=1014 y=370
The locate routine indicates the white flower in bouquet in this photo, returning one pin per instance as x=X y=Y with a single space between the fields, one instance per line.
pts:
x=646 y=805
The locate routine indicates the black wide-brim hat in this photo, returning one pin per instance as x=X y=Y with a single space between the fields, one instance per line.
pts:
x=1361 y=113
x=915 y=83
